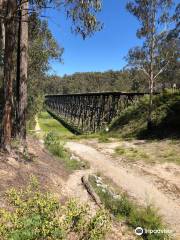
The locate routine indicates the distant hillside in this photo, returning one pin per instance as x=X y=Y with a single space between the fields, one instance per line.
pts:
x=132 y=122
x=124 y=81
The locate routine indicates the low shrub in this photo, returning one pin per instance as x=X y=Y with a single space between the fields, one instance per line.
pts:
x=56 y=147
x=36 y=215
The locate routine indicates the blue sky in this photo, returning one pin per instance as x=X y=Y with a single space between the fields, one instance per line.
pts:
x=103 y=51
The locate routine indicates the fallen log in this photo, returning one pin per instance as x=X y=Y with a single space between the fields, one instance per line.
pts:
x=91 y=192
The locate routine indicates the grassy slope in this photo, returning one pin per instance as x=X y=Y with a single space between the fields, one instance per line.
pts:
x=47 y=123
x=165 y=115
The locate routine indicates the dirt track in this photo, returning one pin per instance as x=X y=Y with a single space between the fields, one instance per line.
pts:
x=138 y=181
x=157 y=184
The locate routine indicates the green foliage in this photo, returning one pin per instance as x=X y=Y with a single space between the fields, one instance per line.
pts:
x=122 y=207
x=83 y=16
x=147 y=218
x=132 y=122
x=42 y=48
x=56 y=147
x=118 y=206
x=126 y=80
x=81 y=13
x=103 y=138
x=158 y=54
x=53 y=133
x=51 y=139
x=94 y=229
x=33 y=215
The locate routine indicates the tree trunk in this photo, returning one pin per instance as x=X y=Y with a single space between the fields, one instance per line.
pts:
x=2 y=29
x=8 y=74
x=151 y=91
x=152 y=50
x=22 y=70
x=2 y=35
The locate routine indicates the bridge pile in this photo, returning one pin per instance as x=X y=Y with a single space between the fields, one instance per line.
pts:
x=89 y=112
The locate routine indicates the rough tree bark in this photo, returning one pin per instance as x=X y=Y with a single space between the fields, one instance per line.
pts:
x=2 y=28
x=8 y=73
x=22 y=64
x=2 y=34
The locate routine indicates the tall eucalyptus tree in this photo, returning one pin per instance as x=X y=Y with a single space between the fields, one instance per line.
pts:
x=9 y=21
x=83 y=16
x=154 y=18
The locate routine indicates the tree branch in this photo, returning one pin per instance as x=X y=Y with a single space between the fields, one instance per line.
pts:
x=144 y=70
x=162 y=69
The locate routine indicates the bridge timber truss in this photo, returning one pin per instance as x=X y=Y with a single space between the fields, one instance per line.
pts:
x=88 y=112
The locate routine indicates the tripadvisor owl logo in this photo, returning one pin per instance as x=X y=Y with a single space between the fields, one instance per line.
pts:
x=139 y=231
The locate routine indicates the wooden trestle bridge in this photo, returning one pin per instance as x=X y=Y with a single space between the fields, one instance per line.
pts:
x=88 y=112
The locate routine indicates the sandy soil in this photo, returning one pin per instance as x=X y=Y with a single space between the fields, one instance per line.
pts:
x=166 y=176
x=138 y=180
x=15 y=172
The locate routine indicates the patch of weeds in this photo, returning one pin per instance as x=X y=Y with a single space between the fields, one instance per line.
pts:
x=56 y=147
x=131 y=153
x=28 y=157
x=120 y=150
x=147 y=218
x=171 y=156
x=118 y=205
x=123 y=208
x=33 y=214
x=103 y=138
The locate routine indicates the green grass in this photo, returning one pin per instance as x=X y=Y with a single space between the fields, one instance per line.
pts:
x=65 y=158
x=132 y=153
x=123 y=208
x=132 y=122
x=47 y=124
